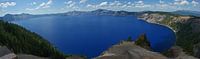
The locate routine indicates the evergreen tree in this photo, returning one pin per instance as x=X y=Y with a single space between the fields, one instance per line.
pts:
x=143 y=42
x=20 y=40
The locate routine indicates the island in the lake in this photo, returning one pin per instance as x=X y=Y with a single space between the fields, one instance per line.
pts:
x=18 y=42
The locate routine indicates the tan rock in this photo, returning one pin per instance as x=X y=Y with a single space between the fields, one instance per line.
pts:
x=25 y=56
x=128 y=50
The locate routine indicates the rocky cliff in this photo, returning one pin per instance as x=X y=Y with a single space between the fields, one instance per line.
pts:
x=187 y=29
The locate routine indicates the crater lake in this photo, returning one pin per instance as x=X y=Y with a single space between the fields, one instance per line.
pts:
x=90 y=35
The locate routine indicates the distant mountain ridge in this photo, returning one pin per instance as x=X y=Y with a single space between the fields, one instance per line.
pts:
x=23 y=16
x=187 y=12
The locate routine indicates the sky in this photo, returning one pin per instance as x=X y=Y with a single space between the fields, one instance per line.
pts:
x=60 y=6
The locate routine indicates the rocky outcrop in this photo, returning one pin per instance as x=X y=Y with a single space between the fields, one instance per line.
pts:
x=128 y=50
x=177 y=52
x=25 y=56
x=75 y=57
x=5 y=53
x=169 y=20
x=157 y=17
x=165 y=19
x=197 y=50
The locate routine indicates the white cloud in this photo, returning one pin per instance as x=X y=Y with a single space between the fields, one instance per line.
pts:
x=103 y=4
x=70 y=4
x=7 y=4
x=129 y=3
x=33 y=3
x=47 y=5
x=194 y=3
x=91 y=6
x=83 y=1
x=106 y=5
x=42 y=5
x=140 y=4
x=116 y=3
x=161 y=2
x=181 y=2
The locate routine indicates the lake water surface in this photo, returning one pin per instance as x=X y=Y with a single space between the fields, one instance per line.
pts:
x=91 y=35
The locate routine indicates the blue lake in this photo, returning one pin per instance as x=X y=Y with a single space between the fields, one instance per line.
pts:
x=91 y=35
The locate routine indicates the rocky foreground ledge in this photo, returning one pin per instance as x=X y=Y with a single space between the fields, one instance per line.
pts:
x=123 y=50
x=5 y=53
x=129 y=50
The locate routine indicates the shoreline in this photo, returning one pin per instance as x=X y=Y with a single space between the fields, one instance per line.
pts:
x=146 y=20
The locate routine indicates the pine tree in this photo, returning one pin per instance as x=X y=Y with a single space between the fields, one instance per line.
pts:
x=143 y=42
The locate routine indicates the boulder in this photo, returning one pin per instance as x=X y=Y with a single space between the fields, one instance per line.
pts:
x=5 y=53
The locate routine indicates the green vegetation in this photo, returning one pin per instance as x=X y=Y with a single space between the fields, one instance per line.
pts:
x=20 y=40
x=129 y=39
x=143 y=42
x=186 y=37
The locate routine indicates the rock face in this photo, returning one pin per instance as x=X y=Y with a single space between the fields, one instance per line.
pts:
x=128 y=50
x=197 y=50
x=5 y=53
x=177 y=52
x=75 y=57
x=169 y=19
x=24 y=56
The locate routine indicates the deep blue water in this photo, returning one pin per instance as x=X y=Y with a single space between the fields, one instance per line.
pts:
x=91 y=35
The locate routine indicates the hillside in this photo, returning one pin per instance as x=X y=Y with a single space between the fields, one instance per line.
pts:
x=22 y=41
x=186 y=28
x=187 y=12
